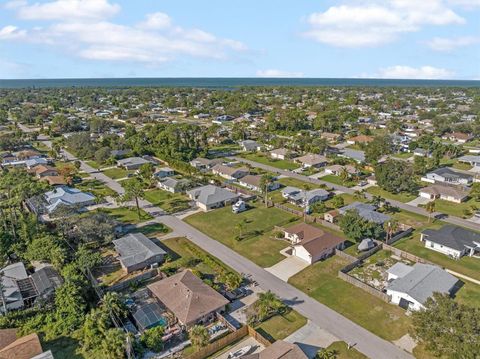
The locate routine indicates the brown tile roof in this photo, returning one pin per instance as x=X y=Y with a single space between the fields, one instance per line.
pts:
x=42 y=168
x=252 y=180
x=305 y=231
x=279 y=350
x=54 y=180
x=311 y=159
x=7 y=336
x=226 y=170
x=361 y=138
x=23 y=348
x=321 y=244
x=187 y=297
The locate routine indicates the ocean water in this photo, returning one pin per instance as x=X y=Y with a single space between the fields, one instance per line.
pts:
x=230 y=82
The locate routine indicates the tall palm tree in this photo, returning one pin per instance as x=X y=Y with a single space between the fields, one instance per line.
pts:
x=430 y=208
x=265 y=182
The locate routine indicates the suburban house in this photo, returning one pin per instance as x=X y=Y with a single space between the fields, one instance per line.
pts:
x=359 y=139
x=148 y=315
x=164 y=172
x=312 y=160
x=447 y=193
x=188 y=298
x=209 y=197
x=13 y=346
x=137 y=252
x=312 y=244
x=337 y=170
x=330 y=137
x=420 y=152
x=132 y=163
x=253 y=182
x=459 y=137
x=119 y=153
x=366 y=211
x=411 y=286
x=204 y=164
x=173 y=185
x=22 y=290
x=448 y=176
x=250 y=146
x=452 y=241
x=279 y=350
x=69 y=197
x=281 y=154
x=41 y=171
x=230 y=173
x=54 y=180
x=356 y=155
x=304 y=198
x=471 y=159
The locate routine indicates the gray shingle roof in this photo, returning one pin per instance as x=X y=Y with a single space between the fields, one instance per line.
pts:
x=210 y=194
x=453 y=237
x=449 y=173
x=366 y=211
x=136 y=248
x=422 y=281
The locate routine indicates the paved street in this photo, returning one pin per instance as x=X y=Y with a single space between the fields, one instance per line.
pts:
x=321 y=315
x=324 y=317
x=446 y=218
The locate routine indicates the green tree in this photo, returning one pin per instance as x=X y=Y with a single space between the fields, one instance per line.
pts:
x=475 y=191
x=448 y=329
x=267 y=304
x=198 y=335
x=265 y=181
x=152 y=338
x=338 y=201
x=357 y=228
x=134 y=190
x=395 y=177
x=430 y=208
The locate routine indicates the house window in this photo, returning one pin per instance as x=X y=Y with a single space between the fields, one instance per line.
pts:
x=432 y=245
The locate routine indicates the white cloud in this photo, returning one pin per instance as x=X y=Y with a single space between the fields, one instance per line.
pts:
x=449 y=44
x=88 y=34
x=11 y=32
x=407 y=72
x=465 y=3
x=278 y=73
x=65 y=10
x=377 y=22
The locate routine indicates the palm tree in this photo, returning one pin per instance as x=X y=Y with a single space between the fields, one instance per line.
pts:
x=430 y=208
x=326 y=354
x=391 y=228
x=265 y=182
x=198 y=336
x=240 y=226
x=112 y=303
x=134 y=190
x=344 y=175
x=267 y=304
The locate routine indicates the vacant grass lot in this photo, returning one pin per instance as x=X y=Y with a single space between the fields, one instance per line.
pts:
x=266 y=160
x=154 y=230
x=320 y=281
x=281 y=326
x=401 y=197
x=169 y=202
x=116 y=173
x=180 y=252
x=64 y=347
x=456 y=209
x=96 y=187
x=337 y=180
x=126 y=215
x=466 y=265
x=257 y=243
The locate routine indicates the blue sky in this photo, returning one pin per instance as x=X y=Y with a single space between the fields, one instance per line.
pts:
x=270 y=38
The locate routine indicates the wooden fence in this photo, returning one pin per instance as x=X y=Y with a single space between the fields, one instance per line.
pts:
x=402 y=234
x=367 y=288
x=405 y=255
x=228 y=339
x=134 y=280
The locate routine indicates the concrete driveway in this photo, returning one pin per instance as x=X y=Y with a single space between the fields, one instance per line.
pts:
x=418 y=201
x=311 y=338
x=287 y=268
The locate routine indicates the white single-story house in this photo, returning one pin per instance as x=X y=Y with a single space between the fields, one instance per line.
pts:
x=132 y=163
x=311 y=160
x=411 y=286
x=253 y=182
x=448 y=176
x=452 y=241
x=209 y=197
x=281 y=154
x=230 y=173
x=447 y=193
x=164 y=172
x=173 y=185
x=304 y=198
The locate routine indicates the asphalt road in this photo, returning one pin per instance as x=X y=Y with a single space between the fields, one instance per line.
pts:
x=444 y=217
x=324 y=317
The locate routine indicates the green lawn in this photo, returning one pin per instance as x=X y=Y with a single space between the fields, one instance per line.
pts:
x=293 y=182
x=154 y=229
x=468 y=266
x=127 y=215
x=401 y=197
x=337 y=180
x=257 y=243
x=180 y=252
x=169 y=202
x=281 y=326
x=456 y=209
x=93 y=164
x=403 y=155
x=266 y=160
x=342 y=352
x=469 y=294
x=321 y=282
x=95 y=187
x=116 y=173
